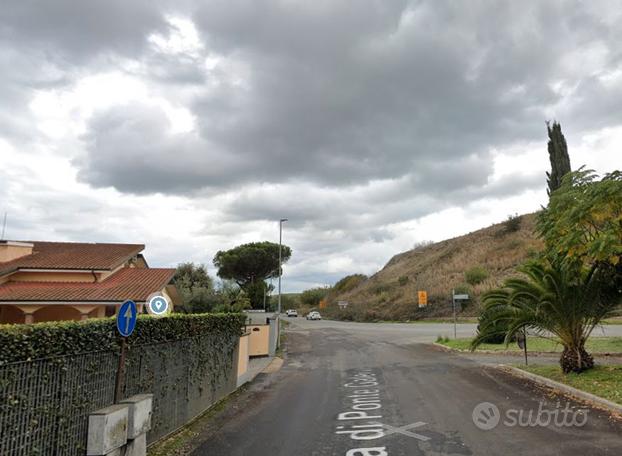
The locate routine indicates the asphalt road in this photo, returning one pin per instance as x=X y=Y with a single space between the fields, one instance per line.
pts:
x=374 y=390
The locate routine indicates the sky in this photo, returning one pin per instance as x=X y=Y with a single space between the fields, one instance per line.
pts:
x=372 y=125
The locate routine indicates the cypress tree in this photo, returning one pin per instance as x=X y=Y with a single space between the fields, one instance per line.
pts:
x=558 y=154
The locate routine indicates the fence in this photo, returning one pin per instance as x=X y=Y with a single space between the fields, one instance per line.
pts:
x=45 y=403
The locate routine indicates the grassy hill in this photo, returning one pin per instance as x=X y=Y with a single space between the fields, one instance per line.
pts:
x=484 y=258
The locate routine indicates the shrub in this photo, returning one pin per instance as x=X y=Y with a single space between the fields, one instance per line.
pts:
x=420 y=245
x=512 y=224
x=380 y=288
x=514 y=244
x=463 y=288
x=42 y=340
x=313 y=296
x=475 y=275
x=403 y=280
x=371 y=315
x=349 y=282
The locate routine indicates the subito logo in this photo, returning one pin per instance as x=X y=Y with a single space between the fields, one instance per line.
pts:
x=486 y=416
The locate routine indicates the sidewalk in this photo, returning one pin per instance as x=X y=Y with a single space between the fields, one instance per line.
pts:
x=255 y=367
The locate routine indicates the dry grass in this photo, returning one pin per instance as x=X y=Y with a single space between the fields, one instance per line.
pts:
x=438 y=268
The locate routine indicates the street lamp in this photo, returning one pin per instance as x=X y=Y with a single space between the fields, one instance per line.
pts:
x=280 y=269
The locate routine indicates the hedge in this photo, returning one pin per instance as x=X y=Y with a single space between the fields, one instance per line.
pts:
x=53 y=339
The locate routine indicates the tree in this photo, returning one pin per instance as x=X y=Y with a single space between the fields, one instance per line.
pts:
x=578 y=281
x=551 y=299
x=558 y=155
x=313 y=296
x=195 y=286
x=249 y=265
x=583 y=221
x=231 y=298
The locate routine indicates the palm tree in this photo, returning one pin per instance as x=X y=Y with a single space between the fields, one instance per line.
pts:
x=553 y=300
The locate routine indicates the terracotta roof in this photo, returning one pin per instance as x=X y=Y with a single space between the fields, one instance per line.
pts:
x=128 y=283
x=73 y=255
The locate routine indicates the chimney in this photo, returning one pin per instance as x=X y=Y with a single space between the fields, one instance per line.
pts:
x=10 y=250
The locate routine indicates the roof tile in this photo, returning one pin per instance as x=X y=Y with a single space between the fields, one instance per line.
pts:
x=128 y=283
x=73 y=255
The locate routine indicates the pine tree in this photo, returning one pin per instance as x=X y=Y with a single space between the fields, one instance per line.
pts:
x=558 y=154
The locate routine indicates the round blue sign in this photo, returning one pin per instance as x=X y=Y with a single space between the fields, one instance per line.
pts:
x=126 y=318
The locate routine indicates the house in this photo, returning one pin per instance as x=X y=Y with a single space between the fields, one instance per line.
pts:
x=49 y=281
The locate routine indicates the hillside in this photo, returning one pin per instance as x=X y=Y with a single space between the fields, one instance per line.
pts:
x=391 y=293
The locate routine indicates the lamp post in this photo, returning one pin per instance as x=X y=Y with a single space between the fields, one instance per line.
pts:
x=280 y=269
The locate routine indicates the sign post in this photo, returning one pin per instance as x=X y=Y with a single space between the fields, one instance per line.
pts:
x=126 y=322
x=453 y=301
x=521 y=341
x=457 y=297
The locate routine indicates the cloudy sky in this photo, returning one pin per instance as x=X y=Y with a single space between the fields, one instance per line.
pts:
x=193 y=126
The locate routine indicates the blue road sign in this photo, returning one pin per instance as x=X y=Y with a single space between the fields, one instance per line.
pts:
x=126 y=318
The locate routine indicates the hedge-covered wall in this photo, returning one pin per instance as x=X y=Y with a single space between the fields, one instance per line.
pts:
x=53 y=375
x=43 y=340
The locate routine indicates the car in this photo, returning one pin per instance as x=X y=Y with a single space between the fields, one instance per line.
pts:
x=314 y=316
x=291 y=313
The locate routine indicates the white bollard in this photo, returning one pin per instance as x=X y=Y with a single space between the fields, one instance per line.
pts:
x=107 y=430
x=139 y=414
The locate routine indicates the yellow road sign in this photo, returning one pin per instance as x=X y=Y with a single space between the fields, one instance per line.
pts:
x=423 y=298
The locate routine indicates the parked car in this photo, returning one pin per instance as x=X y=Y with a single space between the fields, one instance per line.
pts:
x=314 y=316
x=291 y=313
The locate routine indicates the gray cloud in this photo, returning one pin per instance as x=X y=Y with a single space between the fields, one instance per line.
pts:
x=75 y=31
x=340 y=94
x=349 y=118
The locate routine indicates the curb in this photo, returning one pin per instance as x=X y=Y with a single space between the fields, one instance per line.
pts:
x=274 y=366
x=491 y=352
x=445 y=347
x=518 y=353
x=563 y=388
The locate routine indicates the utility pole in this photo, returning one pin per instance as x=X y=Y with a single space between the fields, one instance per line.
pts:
x=453 y=302
x=525 y=336
x=3 y=227
x=280 y=270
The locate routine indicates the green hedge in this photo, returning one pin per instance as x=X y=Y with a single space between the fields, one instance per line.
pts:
x=43 y=340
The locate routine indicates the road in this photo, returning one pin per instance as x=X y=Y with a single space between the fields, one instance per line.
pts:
x=374 y=390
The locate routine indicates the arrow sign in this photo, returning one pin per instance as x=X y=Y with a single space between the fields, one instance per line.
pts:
x=126 y=318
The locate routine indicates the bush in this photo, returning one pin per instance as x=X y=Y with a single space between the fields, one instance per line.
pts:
x=403 y=280
x=463 y=288
x=512 y=224
x=349 y=282
x=420 y=245
x=313 y=296
x=513 y=244
x=43 y=340
x=475 y=275
x=380 y=288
